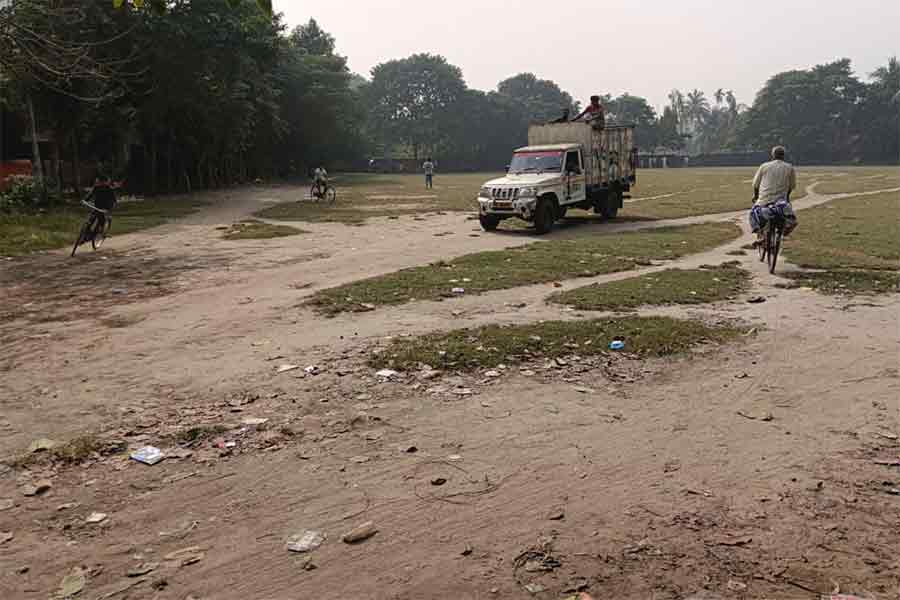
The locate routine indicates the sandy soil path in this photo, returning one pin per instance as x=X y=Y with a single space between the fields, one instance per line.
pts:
x=663 y=489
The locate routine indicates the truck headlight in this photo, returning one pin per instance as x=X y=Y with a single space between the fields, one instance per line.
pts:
x=484 y=192
x=527 y=192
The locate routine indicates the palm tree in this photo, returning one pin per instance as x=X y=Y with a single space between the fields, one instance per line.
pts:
x=719 y=95
x=676 y=101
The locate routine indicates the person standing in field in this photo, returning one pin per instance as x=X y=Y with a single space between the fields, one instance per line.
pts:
x=428 y=168
x=772 y=187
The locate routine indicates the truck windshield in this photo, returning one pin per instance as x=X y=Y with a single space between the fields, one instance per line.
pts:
x=536 y=162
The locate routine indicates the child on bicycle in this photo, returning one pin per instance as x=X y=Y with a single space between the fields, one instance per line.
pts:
x=772 y=187
x=103 y=195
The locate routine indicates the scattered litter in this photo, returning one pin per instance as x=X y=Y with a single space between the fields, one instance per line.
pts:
x=37 y=488
x=73 y=583
x=386 y=373
x=893 y=491
x=149 y=455
x=462 y=392
x=766 y=417
x=360 y=534
x=584 y=390
x=67 y=506
x=312 y=370
x=617 y=345
x=729 y=540
x=366 y=307
x=41 y=445
x=454 y=458
x=467 y=550
x=254 y=421
x=672 y=466
x=96 y=517
x=438 y=481
x=736 y=586
x=534 y=588
x=458 y=291
x=492 y=374
x=360 y=459
x=410 y=449
x=6 y=536
x=556 y=515
x=186 y=556
x=888 y=436
x=306 y=541
x=286 y=368
x=142 y=569
x=6 y=504
x=528 y=373
x=757 y=300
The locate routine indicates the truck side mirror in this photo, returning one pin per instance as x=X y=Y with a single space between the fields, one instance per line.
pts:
x=507 y=168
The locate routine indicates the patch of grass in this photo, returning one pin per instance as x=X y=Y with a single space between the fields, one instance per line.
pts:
x=257 y=230
x=677 y=193
x=857 y=233
x=840 y=282
x=57 y=227
x=364 y=196
x=199 y=433
x=539 y=262
x=673 y=286
x=861 y=179
x=736 y=253
x=494 y=345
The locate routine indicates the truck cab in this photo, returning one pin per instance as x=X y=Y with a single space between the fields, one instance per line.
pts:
x=591 y=170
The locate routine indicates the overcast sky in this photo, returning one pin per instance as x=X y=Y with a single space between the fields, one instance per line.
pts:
x=645 y=47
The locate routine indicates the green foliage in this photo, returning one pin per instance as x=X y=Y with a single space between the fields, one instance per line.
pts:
x=540 y=99
x=23 y=193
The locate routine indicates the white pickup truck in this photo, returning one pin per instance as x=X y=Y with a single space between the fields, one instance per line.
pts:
x=565 y=165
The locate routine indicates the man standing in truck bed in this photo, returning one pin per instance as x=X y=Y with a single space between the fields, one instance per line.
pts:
x=595 y=114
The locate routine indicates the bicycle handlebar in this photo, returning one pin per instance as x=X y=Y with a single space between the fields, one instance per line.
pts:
x=92 y=207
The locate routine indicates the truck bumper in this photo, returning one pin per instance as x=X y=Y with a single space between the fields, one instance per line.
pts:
x=524 y=209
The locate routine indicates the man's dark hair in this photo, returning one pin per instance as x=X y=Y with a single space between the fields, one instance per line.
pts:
x=595 y=98
x=778 y=152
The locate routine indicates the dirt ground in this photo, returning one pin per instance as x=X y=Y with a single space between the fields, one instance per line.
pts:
x=766 y=469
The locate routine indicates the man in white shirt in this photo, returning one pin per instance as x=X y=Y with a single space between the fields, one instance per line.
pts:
x=773 y=184
x=428 y=168
x=321 y=178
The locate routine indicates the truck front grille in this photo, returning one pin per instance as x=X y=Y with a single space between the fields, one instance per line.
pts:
x=505 y=193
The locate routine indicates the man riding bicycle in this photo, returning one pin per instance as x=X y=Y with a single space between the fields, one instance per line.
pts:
x=320 y=175
x=772 y=187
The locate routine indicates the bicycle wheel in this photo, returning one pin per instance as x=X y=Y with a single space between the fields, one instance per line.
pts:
x=330 y=195
x=83 y=234
x=314 y=193
x=774 y=245
x=99 y=235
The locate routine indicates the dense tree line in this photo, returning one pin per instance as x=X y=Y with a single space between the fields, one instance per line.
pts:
x=181 y=94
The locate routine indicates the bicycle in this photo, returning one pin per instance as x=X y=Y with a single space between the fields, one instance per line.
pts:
x=773 y=235
x=93 y=230
x=322 y=192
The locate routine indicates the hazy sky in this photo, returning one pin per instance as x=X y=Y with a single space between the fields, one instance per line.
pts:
x=645 y=47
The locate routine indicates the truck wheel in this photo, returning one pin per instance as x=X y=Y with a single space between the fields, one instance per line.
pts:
x=611 y=206
x=544 y=216
x=561 y=213
x=489 y=222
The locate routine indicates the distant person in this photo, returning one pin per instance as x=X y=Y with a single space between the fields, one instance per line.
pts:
x=428 y=168
x=772 y=187
x=564 y=118
x=594 y=113
x=320 y=176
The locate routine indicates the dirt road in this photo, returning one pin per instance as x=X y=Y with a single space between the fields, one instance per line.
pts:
x=630 y=479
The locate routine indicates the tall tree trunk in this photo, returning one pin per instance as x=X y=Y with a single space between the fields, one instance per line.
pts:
x=37 y=163
x=76 y=159
x=57 y=166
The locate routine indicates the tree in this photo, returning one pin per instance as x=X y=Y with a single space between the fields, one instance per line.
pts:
x=312 y=39
x=541 y=99
x=814 y=112
x=635 y=110
x=879 y=122
x=410 y=100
